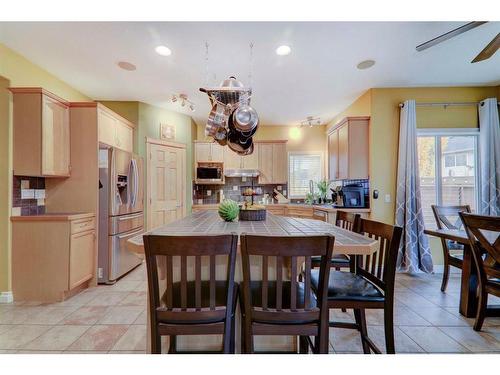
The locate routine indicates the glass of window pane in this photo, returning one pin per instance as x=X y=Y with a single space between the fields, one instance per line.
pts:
x=457 y=171
x=426 y=147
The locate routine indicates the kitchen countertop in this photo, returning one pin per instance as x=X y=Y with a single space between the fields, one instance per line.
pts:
x=327 y=208
x=57 y=216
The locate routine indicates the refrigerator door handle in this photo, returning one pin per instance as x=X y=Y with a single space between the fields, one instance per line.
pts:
x=128 y=217
x=128 y=235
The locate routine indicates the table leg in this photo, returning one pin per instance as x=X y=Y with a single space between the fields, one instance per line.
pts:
x=468 y=288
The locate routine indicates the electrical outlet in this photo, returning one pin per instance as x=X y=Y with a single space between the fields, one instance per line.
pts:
x=100 y=273
x=387 y=198
x=279 y=187
x=236 y=188
x=209 y=193
x=243 y=179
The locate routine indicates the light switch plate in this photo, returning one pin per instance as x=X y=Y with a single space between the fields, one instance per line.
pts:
x=236 y=188
x=243 y=179
x=387 y=198
x=209 y=193
x=279 y=187
x=27 y=194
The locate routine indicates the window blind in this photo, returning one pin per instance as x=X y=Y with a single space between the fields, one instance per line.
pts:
x=302 y=169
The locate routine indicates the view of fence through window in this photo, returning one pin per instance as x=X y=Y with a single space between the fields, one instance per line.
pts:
x=447 y=167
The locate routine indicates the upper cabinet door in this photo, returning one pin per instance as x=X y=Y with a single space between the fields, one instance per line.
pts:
x=107 y=128
x=333 y=155
x=124 y=137
x=231 y=159
x=55 y=138
x=280 y=163
x=202 y=151
x=251 y=161
x=343 y=152
x=217 y=153
x=265 y=163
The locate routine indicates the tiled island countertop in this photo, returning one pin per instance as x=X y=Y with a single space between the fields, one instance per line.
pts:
x=327 y=208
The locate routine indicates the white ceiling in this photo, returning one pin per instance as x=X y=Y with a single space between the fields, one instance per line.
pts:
x=318 y=78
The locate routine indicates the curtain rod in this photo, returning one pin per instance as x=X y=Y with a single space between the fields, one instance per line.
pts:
x=444 y=104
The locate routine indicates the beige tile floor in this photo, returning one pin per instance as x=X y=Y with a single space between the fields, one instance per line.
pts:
x=112 y=319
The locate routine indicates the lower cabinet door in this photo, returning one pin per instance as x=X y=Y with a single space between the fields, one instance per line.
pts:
x=81 y=258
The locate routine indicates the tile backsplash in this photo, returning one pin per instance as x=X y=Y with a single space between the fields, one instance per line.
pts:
x=233 y=189
x=28 y=195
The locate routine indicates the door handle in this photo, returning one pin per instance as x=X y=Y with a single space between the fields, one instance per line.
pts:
x=130 y=217
x=128 y=235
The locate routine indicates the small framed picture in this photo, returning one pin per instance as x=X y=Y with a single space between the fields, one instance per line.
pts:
x=167 y=131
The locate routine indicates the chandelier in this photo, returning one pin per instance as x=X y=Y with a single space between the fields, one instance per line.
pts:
x=310 y=121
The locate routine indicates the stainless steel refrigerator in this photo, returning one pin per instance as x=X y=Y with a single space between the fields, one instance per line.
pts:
x=121 y=211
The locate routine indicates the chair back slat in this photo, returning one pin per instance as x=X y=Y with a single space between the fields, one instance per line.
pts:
x=170 y=281
x=293 y=282
x=183 y=281
x=307 y=279
x=279 y=282
x=380 y=266
x=197 y=281
x=180 y=294
x=484 y=238
x=265 y=279
x=284 y=296
x=212 y=282
x=348 y=220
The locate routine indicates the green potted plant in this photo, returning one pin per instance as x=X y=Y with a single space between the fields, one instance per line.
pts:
x=322 y=190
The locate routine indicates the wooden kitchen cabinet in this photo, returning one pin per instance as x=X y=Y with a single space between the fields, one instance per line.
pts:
x=273 y=162
x=348 y=146
x=208 y=152
x=53 y=255
x=114 y=130
x=300 y=211
x=41 y=144
x=234 y=161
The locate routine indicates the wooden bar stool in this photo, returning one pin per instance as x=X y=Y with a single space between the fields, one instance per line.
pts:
x=346 y=220
x=370 y=287
x=280 y=306
x=187 y=304
x=444 y=216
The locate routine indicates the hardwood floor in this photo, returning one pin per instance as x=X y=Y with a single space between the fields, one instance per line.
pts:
x=112 y=319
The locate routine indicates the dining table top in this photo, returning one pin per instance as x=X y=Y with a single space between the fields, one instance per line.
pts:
x=209 y=223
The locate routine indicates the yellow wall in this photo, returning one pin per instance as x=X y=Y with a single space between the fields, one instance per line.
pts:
x=362 y=106
x=20 y=72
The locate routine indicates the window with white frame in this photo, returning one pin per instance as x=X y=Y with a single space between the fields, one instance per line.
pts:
x=448 y=168
x=303 y=167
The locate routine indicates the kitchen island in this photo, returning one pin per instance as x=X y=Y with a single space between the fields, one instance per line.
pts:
x=208 y=222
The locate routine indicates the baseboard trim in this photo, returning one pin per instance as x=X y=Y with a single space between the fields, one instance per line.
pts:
x=6 y=297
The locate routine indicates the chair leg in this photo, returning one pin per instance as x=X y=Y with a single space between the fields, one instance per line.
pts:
x=232 y=345
x=228 y=332
x=482 y=305
x=389 y=330
x=303 y=345
x=155 y=342
x=172 y=349
x=446 y=271
x=359 y=316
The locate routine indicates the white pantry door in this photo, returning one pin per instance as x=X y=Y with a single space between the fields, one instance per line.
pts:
x=166 y=183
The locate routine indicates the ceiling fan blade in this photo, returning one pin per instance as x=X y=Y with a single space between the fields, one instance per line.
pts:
x=450 y=34
x=489 y=50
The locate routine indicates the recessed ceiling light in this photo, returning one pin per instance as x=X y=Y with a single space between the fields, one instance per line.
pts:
x=365 y=64
x=163 y=50
x=283 y=50
x=125 y=65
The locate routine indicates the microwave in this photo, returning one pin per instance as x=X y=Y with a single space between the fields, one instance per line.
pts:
x=209 y=174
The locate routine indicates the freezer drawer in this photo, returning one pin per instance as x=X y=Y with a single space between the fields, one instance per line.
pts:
x=122 y=260
x=125 y=223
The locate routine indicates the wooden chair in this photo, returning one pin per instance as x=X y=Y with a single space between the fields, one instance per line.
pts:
x=447 y=218
x=370 y=287
x=191 y=305
x=484 y=236
x=279 y=306
x=346 y=220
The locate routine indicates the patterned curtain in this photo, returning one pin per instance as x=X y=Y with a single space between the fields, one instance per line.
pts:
x=414 y=251
x=489 y=148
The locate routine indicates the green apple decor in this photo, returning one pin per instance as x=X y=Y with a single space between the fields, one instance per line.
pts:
x=228 y=210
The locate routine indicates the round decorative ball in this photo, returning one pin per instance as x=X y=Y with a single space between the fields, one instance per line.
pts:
x=228 y=210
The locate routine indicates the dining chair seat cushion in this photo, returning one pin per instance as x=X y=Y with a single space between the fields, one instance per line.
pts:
x=340 y=259
x=348 y=286
x=190 y=314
